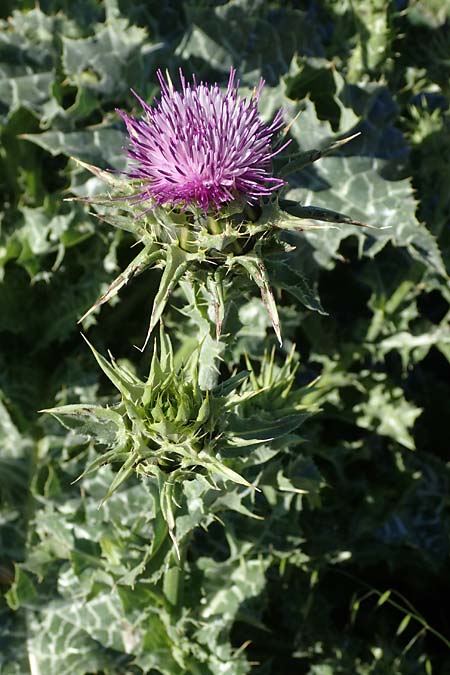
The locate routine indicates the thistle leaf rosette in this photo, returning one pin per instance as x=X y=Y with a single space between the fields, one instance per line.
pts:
x=201 y=198
x=170 y=430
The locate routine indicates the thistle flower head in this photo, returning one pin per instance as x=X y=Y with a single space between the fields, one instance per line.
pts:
x=201 y=146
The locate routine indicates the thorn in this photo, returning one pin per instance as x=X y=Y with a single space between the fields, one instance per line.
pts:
x=288 y=126
x=343 y=141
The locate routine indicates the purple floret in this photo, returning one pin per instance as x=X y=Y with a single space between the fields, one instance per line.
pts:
x=202 y=146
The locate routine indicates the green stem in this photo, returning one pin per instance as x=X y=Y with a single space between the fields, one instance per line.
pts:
x=174 y=576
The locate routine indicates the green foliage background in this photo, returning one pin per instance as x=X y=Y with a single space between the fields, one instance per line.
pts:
x=304 y=590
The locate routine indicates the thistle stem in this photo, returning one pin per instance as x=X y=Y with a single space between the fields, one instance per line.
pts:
x=173 y=581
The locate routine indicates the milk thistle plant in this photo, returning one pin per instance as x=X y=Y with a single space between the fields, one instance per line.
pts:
x=201 y=198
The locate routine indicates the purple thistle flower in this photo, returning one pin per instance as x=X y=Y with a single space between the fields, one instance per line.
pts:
x=201 y=146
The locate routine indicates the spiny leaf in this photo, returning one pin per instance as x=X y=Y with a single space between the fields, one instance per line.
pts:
x=78 y=410
x=257 y=272
x=166 y=500
x=300 y=160
x=123 y=473
x=108 y=177
x=355 y=185
x=211 y=463
x=247 y=431
x=105 y=458
x=298 y=213
x=92 y=421
x=165 y=351
x=284 y=271
x=101 y=145
x=128 y=387
x=227 y=386
x=145 y=259
x=176 y=265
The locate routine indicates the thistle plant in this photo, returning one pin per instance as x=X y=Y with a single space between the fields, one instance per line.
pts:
x=201 y=198
x=199 y=518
